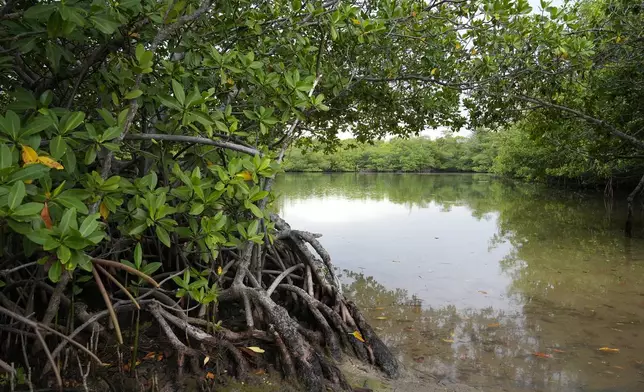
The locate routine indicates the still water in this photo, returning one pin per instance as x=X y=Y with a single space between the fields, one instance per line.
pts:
x=467 y=277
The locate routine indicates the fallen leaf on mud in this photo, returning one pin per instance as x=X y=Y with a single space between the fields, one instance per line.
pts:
x=482 y=292
x=494 y=325
x=210 y=376
x=618 y=367
x=448 y=340
x=608 y=350
x=558 y=351
x=106 y=364
x=256 y=349
x=160 y=357
x=542 y=355
x=382 y=318
x=409 y=329
x=205 y=360
x=379 y=308
x=150 y=355
x=357 y=335
x=259 y=372
x=419 y=359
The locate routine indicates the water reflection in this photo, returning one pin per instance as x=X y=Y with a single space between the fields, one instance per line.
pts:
x=467 y=276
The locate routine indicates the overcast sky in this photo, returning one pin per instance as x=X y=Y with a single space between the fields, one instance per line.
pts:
x=434 y=133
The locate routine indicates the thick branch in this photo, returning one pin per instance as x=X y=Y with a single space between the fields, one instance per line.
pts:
x=196 y=140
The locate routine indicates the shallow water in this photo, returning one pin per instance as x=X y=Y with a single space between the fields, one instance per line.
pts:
x=467 y=277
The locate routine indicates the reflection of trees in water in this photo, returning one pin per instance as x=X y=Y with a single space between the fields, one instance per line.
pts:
x=572 y=272
x=555 y=235
x=481 y=349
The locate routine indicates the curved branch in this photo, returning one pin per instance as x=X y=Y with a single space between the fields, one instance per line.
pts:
x=281 y=277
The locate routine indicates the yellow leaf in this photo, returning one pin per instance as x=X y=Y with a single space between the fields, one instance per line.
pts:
x=382 y=318
x=220 y=270
x=50 y=162
x=256 y=349
x=28 y=181
x=473 y=51
x=150 y=355
x=160 y=357
x=609 y=350
x=413 y=14
x=448 y=340
x=434 y=70
x=355 y=21
x=102 y=209
x=458 y=45
x=230 y=81
x=205 y=360
x=210 y=376
x=618 y=39
x=358 y=335
x=29 y=155
x=246 y=175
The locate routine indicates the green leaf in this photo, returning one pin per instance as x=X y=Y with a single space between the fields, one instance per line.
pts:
x=196 y=209
x=6 y=157
x=69 y=161
x=40 y=11
x=138 y=255
x=169 y=102
x=68 y=221
x=133 y=94
x=31 y=172
x=89 y=225
x=10 y=124
x=163 y=236
x=112 y=133
x=38 y=236
x=178 y=91
x=16 y=194
x=64 y=254
x=28 y=209
x=253 y=227
x=90 y=155
x=105 y=25
x=57 y=147
x=51 y=243
x=70 y=121
x=69 y=200
x=72 y=14
x=55 y=271
x=36 y=126
x=138 y=229
x=151 y=268
x=255 y=210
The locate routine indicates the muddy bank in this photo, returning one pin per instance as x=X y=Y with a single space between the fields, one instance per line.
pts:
x=411 y=380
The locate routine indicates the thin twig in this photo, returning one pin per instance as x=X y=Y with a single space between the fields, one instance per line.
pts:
x=108 y=304
x=120 y=286
x=115 y=264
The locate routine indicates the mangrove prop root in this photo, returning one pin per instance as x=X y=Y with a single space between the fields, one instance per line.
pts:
x=283 y=297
